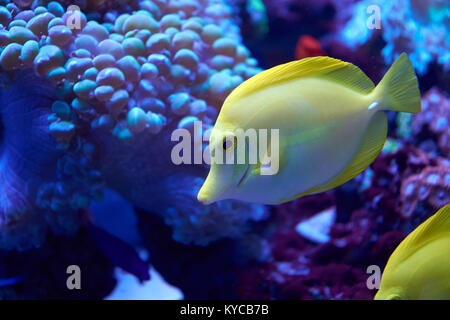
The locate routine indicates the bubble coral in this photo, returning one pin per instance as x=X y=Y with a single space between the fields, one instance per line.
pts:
x=122 y=86
x=29 y=159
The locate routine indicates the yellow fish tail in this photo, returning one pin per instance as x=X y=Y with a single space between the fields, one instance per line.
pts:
x=399 y=88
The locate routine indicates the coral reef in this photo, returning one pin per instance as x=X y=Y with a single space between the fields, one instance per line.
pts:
x=431 y=125
x=29 y=158
x=416 y=27
x=122 y=85
x=365 y=231
x=299 y=268
x=431 y=185
x=91 y=92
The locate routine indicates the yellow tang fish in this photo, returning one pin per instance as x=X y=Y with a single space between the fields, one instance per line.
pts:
x=324 y=125
x=420 y=266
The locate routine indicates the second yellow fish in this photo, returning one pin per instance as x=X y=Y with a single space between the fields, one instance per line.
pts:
x=330 y=122
x=419 y=269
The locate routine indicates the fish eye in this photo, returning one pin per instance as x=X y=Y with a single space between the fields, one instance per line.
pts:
x=229 y=143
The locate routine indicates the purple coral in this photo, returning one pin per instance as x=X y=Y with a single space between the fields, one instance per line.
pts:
x=431 y=185
x=435 y=117
x=122 y=87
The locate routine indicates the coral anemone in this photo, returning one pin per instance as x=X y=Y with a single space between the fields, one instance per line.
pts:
x=122 y=85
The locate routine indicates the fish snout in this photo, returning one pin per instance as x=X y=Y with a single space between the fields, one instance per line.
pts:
x=217 y=185
x=204 y=197
x=212 y=190
x=209 y=194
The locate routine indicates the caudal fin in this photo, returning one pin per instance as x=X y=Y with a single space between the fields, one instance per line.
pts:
x=399 y=88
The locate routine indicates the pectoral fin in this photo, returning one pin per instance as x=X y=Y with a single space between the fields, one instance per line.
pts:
x=283 y=153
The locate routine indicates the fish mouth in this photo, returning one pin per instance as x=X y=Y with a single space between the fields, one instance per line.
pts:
x=204 y=198
x=244 y=176
x=208 y=196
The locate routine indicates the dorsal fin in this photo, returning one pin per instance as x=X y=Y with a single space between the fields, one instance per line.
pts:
x=336 y=70
x=427 y=231
x=369 y=148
